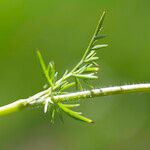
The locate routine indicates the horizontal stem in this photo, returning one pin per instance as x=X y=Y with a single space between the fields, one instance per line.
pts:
x=136 y=88
x=13 y=107
x=23 y=103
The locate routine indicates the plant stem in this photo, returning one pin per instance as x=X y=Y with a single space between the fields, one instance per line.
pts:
x=35 y=100
x=98 y=28
x=124 y=89
x=13 y=107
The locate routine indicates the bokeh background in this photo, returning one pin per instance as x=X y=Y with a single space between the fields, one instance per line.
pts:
x=61 y=30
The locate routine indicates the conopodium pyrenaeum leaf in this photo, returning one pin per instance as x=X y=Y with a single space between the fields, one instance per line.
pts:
x=74 y=114
x=45 y=69
x=99 y=46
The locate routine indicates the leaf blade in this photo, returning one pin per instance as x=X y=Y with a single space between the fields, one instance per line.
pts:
x=45 y=70
x=74 y=114
x=99 y=46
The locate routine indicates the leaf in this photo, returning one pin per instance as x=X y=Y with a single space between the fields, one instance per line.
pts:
x=91 y=59
x=52 y=71
x=101 y=20
x=96 y=64
x=87 y=76
x=59 y=85
x=78 y=84
x=66 y=72
x=55 y=76
x=100 y=36
x=45 y=86
x=46 y=105
x=92 y=69
x=53 y=116
x=68 y=85
x=45 y=70
x=99 y=46
x=74 y=114
x=80 y=70
x=92 y=53
x=42 y=62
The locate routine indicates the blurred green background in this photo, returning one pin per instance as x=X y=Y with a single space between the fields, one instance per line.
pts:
x=61 y=30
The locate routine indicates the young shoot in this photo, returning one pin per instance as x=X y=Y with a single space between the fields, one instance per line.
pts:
x=56 y=98
x=86 y=69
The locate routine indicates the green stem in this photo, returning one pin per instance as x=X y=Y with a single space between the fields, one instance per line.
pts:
x=13 y=107
x=124 y=89
x=37 y=100
x=99 y=26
